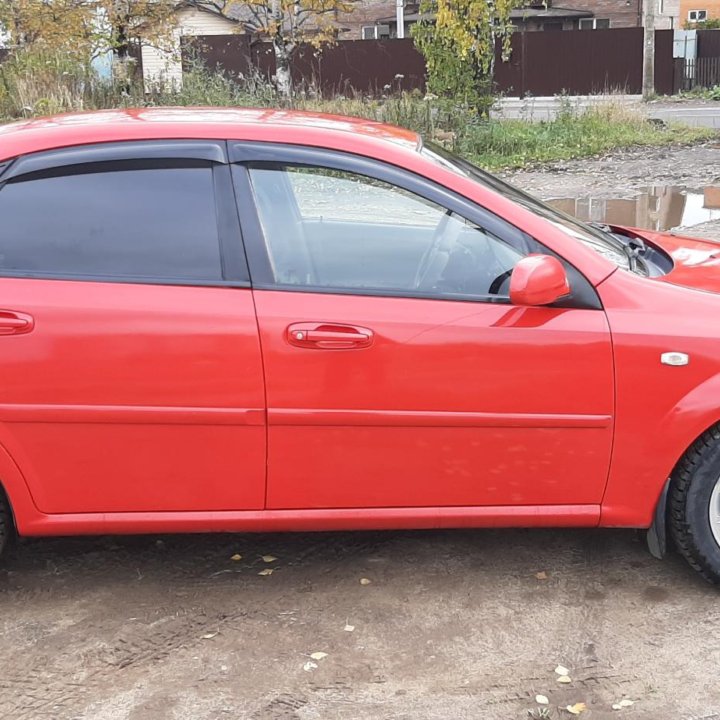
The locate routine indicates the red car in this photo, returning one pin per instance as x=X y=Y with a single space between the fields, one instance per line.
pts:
x=240 y=320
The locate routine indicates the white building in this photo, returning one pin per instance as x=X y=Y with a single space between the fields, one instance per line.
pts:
x=163 y=65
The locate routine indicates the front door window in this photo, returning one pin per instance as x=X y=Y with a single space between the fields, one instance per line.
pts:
x=335 y=230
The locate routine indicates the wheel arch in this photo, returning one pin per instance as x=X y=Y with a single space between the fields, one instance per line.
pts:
x=640 y=472
x=15 y=489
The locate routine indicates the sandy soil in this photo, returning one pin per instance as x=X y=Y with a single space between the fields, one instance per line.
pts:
x=466 y=625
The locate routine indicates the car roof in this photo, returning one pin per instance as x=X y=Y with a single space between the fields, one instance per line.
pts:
x=267 y=124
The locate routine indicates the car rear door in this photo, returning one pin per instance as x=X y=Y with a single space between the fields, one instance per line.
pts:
x=398 y=374
x=130 y=362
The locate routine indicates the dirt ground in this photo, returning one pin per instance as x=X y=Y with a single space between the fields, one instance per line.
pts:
x=628 y=172
x=453 y=624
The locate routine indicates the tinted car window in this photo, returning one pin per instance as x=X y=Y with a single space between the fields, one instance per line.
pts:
x=333 y=229
x=156 y=223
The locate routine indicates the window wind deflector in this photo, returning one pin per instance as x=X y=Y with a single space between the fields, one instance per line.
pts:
x=111 y=152
x=261 y=151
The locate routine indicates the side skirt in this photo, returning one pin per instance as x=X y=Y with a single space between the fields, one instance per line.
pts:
x=310 y=520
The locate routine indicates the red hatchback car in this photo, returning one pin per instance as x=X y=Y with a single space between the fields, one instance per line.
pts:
x=236 y=320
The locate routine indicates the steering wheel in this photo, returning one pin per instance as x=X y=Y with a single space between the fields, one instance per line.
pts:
x=431 y=255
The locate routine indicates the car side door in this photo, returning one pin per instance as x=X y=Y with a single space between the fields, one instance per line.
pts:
x=130 y=363
x=398 y=373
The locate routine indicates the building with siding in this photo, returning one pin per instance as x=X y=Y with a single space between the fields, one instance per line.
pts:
x=163 y=65
x=373 y=19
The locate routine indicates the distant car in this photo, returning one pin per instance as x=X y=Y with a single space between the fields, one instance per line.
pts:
x=260 y=320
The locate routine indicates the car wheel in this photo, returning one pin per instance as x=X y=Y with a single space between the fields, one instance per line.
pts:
x=5 y=521
x=694 y=505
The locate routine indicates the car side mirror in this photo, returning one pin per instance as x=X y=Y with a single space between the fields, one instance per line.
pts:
x=538 y=280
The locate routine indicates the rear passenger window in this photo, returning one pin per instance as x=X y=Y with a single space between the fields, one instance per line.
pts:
x=144 y=224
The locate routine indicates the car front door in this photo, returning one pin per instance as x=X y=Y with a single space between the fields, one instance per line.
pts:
x=130 y=362
x=398 y=374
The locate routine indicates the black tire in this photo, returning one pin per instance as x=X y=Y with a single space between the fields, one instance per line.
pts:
x=6 y=526
x=691 y=488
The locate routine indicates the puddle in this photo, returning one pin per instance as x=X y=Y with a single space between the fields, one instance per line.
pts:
x=657 y=208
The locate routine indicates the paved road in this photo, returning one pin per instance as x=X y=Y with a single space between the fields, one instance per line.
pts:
x=695 y=113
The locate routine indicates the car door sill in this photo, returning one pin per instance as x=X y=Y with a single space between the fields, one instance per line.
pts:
x=311 y=520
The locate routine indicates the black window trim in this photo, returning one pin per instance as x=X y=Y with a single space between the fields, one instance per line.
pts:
x=130 y=155
x=243 y=154
x=213 y=151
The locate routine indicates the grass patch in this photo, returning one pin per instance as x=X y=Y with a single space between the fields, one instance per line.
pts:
x=40 y=83
x=516 y=143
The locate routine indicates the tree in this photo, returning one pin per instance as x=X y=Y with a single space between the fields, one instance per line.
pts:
x=86 y=28
x=458 y=39
x=59 y=25
x=80 y=24
x=122 y=24
x=136 y=21
x=288 y=23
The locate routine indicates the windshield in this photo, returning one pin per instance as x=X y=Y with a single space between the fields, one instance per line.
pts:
x=602 y=242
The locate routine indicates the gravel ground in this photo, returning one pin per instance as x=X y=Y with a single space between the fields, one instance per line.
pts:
x=467 y=625
x=606 y=176
x=624 y=173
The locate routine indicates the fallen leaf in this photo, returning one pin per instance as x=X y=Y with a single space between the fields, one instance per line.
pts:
x=209 y=636
x=564 y=679
x=626 y=703
x=318 y=655
x=365 y=581
x=236 y=557
x=349 y=628
x=309 y=665
x=542 y=575
x=269 y=558
x=577 y=708
x=541 y=700
x=617 y=706
x=266 y=571
x=561 y=670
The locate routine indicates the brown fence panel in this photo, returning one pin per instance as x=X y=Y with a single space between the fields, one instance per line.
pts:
x=540 y=63
x=680 y=81
x=708 y=43
x=664 y=63
x=510 y=74
x=579 y=62
x=702 y=72
x=230 y=53
x=367 y=66
x=582 y=62
x=707 y=72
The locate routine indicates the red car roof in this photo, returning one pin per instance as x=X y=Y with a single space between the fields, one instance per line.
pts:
x=198 y=122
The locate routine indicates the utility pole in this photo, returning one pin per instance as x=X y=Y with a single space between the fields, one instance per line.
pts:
x=648 y=76
x=400 y=18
